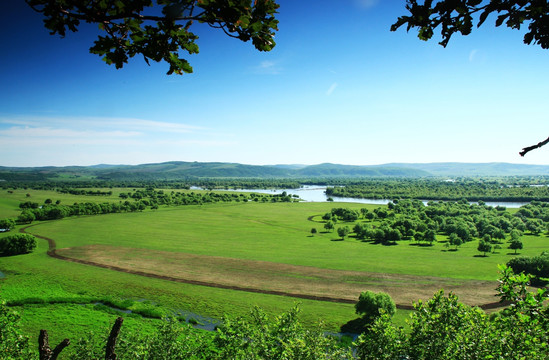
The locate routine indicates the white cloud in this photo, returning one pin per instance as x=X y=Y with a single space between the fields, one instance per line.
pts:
x=31 y=140
x=84 y=123
x=472 y=55
x=366 y=4
x=331 y=89
x=268 y=67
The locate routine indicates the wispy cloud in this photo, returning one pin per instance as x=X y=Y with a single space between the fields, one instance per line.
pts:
x=331 y=89
x=83 y=123
x=472 y=55
x=366 y=4
x=268 y=67
x=26 y=141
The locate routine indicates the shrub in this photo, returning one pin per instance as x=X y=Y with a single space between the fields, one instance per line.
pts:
x=17 y=244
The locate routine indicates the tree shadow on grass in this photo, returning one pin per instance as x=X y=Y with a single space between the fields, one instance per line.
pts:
x=355 y=326
x=480 y=255
x=421 y=244
x=340 y=239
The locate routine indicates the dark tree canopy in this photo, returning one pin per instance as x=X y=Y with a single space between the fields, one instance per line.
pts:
x=459 y=16
x=159 y=30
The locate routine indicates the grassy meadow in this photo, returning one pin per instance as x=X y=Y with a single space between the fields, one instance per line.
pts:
x=268 y=246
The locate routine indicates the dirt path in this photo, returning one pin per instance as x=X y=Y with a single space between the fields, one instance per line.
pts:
x=263 y=277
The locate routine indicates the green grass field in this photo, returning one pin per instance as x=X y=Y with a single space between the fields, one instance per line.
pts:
x=274 y=234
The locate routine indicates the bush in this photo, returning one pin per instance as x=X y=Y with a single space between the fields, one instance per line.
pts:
x=537 y=266
x=371 y=304
x=17 y=244
x=13 y=345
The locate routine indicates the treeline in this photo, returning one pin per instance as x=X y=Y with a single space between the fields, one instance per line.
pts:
x=74 y=186
x=138 y=200
x=84 y=192
x=429 y=189
x=461 y=221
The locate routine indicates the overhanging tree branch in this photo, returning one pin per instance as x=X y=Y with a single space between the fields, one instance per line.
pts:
x=136 y=26
x=530 y=148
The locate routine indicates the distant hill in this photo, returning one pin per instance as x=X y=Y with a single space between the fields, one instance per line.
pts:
x=335 y=170
x=476 y=169
x=180 y=170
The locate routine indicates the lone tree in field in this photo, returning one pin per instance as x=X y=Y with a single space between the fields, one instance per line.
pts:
x=313 y=231
x=343 y=231
x=515 y=245
x=484 y=247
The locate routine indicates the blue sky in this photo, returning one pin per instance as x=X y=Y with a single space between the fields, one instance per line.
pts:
x=339 y=87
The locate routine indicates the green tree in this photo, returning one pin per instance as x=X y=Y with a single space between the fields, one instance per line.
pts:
x=458 y=17
x=313 y=231
x=484 y=247
x=343 y=231
x=17 y=244
x=455 y=240
x=160 y=30
x=535 y=266
x=444 y=328
x=258 y=337
x=535 y=226
x=371 y=305
x=515 y=245
x=329 y=225
x=7 y=224
x=515 y=234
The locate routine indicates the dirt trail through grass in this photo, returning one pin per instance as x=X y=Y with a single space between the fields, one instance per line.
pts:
x=263 y=277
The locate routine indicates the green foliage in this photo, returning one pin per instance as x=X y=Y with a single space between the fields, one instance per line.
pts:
x=329 y=225
x=343 y=231
x=17 y=244
x=537 y=266
x=383 y=341
x=136 y=27
x=444 y=328
x=458 y=17
x=7 y=224
x=13 y=345
x=515 y=245
x=371 y=305
x=280 y=338
x=455 y=240
x=484 y=247
x=506 y=189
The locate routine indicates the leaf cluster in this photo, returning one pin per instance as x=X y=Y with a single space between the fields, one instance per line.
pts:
x=458 y=16
x=160 y=30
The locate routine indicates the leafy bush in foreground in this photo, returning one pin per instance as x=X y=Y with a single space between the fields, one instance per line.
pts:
x=444 y=328
x=441 y=328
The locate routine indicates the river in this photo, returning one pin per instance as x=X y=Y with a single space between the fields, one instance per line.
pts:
x=316 y=193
